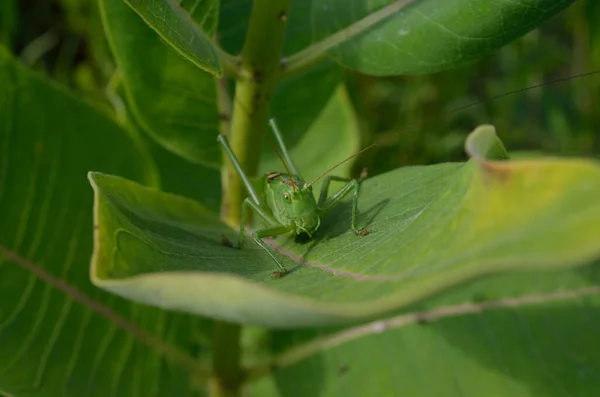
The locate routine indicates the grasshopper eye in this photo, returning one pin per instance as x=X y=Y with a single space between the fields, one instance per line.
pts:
x=286 y=197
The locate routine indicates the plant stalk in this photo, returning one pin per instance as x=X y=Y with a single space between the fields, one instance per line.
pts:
x=227 y=369
x=259 y=72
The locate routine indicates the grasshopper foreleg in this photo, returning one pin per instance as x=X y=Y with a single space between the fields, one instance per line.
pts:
x=259 y=210
x=326 y=204
x=271 y=231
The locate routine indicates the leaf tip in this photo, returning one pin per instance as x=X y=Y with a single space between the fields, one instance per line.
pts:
x=483 y=144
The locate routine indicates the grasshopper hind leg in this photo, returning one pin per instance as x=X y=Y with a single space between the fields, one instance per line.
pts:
x=326 y=204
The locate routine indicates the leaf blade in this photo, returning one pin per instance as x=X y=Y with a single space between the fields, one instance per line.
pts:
x=54 y=340
x=172 y=100
x=171 y=21
x=405 y=37
x=524 y=334
x=340 y=276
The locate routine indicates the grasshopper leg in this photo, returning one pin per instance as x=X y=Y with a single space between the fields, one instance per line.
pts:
x=258 y=235
x=326 y=204
x=259 y=210
x=270 y=232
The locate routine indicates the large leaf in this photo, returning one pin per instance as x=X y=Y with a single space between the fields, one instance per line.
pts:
x=432 y=228
x=171 y=20
x=60 y=335
x=387 y=37
x=172 y=99
x=526 y=334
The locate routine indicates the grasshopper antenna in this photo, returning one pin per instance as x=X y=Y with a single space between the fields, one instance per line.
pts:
x=441 y=114
x=277 y=152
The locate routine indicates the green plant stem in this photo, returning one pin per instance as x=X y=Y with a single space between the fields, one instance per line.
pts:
x=260 y=69
x=259 y=72
x=227 y=370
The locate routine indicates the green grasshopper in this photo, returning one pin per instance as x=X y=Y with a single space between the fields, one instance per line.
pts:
x=287 y=204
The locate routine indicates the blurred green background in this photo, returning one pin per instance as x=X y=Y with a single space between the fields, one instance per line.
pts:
x=64 y=39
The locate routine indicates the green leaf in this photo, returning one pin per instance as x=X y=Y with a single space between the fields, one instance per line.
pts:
x=526 y=334
x=172 y=100
x=432 y=228
x=388 y=37
x=60 y=335
x=185 y=32
x=483 y=144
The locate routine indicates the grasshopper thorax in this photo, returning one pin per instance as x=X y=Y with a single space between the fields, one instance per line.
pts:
x=292 y=202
